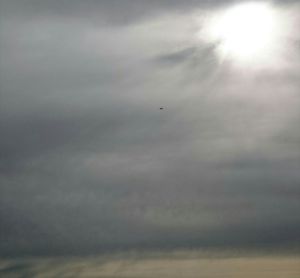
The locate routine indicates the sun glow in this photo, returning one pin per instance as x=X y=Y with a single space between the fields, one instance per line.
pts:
x=245 y=32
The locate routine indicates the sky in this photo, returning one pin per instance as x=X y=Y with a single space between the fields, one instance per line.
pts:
x=89 y=163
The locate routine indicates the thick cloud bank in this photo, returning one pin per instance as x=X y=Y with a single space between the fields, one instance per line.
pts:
x=88 y=161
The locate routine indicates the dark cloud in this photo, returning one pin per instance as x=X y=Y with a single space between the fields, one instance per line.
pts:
x=89 y=163
x=114 y=12
x=192 y=55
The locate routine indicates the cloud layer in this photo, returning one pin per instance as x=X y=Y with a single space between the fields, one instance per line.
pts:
x=89 y=163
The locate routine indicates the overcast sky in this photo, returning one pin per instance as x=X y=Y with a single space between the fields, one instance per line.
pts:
x=88 y=161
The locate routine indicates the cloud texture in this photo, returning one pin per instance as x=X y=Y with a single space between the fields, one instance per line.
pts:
x=89 y=163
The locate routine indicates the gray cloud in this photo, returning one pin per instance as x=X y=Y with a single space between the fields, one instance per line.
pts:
x=114 y=12
x=89 y=163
